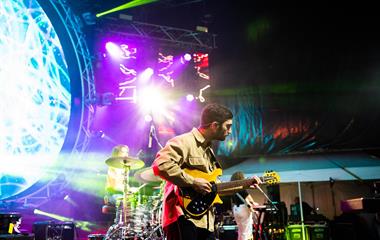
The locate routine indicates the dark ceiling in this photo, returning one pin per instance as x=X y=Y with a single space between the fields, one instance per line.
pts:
x=271 y=41
x=315 y=63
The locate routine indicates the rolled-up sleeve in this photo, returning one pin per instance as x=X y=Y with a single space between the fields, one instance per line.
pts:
x=168 y=161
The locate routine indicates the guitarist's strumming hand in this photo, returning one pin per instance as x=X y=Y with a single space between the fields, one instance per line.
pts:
x=201 y=185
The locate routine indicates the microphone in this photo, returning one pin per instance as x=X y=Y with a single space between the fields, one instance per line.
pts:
x=150 y=136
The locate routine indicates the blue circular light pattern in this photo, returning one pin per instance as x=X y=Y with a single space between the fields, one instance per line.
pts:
x=35 y=96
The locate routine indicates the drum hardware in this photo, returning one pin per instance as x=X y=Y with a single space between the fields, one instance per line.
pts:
x=137 y=216
x=122 y=228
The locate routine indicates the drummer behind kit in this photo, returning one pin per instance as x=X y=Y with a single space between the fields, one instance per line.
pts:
x=136 y=217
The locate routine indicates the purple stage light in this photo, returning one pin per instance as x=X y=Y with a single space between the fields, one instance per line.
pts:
x=151 y=100
x=190 y=97
x=148 y=118
x=146 y=74
x=187 y=57
x=113 y=49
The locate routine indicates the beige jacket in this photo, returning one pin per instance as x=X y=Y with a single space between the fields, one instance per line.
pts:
x=184 y=151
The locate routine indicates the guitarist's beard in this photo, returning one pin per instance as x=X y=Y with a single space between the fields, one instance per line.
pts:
x=221 y=138
x=220 y=134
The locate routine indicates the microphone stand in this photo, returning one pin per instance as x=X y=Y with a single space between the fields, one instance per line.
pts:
x=266 y=196
x=153 y=135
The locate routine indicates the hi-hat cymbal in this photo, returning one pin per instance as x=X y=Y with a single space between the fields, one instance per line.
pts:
x=146 y=175
x=121 y=162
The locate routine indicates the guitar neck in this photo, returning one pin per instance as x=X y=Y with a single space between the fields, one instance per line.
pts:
x=236 y=185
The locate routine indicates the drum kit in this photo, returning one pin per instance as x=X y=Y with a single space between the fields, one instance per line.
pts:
x=137 y=217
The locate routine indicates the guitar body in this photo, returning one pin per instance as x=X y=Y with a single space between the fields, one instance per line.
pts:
x=196 y=204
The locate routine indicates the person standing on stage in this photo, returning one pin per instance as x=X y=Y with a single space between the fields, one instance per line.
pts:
x=191 y=150
x=242 y=209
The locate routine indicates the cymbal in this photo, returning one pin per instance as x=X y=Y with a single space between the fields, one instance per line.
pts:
x=146 y=175
x=121 y=162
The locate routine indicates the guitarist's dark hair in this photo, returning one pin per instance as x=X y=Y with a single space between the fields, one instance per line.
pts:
x=215 y=112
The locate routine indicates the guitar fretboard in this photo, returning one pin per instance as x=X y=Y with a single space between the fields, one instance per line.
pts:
x=236 y=185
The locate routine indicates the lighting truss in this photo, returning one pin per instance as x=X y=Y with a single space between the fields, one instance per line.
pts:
x=88 y=93
x=84 y=59
x=170 y=35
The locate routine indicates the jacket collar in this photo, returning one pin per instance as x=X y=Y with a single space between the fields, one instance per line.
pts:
x=200 y=138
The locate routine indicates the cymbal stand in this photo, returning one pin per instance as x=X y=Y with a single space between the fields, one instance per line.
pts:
x=126 y=191
x=114 y=231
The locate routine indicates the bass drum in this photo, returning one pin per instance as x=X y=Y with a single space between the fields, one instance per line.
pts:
x=154 y=230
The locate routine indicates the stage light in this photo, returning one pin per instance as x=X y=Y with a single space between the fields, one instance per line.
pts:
x=89 y=18
x=190 y=97
x=148 y=118
x=131 y=4
x=105 y=99
x=68 y=199
x=113 y=49
x=201 y=29
x=84 y=225
x=146 y=74
x=151 y=100
x=187 y=57
x=102 y=135
x=51 y=215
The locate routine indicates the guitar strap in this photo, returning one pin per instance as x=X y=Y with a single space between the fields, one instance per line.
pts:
x=213 y=158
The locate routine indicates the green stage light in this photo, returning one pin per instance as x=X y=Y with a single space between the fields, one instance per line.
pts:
x=131 y=4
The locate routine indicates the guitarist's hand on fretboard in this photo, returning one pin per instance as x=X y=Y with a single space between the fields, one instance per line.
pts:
x=202 y=185
x=258 y=181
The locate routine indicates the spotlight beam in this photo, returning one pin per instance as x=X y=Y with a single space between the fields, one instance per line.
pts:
x=84 y=225
x=131 y=4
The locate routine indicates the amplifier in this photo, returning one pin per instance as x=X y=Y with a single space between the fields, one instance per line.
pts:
x=54 y=230
x=318 y=232
x=294 y=232
x=312 y=232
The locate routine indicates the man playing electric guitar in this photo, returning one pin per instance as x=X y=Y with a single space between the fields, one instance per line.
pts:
x=191 y=151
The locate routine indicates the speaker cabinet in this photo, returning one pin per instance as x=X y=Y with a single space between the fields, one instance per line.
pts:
x=318 y=232
x=294 y=232
x=54 y=230
x=274 y=192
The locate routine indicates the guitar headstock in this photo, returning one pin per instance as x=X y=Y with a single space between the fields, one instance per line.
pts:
x=271 y=177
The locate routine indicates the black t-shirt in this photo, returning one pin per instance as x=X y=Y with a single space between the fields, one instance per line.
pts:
x=236 y=200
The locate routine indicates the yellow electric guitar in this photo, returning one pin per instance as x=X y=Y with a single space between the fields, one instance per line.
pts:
x=196 y=204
